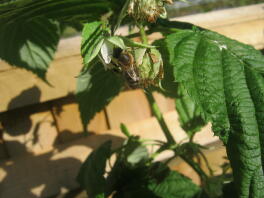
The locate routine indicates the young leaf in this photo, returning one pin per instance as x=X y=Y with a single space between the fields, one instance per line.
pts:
x=91 y=174
x=134 y=153
x=117 y=41
x=95 y=89
x=137 y=155
x=225 y=79
x=92 y=41
x=30 y=45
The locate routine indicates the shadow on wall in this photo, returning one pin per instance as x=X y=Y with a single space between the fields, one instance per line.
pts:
x=26 y=124
x=47 y=174
x=29 y=175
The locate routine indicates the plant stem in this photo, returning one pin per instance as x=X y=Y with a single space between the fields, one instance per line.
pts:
x=121 y=16
x=156 y=111
x=195 y=167
x=143 y=34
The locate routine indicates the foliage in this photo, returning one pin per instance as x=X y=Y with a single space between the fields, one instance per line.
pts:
x=213 y=78
x=30 y=45
x=135 y=174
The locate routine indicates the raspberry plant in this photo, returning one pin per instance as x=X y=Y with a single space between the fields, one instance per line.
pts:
x=213 y=78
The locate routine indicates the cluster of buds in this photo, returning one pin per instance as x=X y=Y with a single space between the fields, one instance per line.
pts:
x=147 y=10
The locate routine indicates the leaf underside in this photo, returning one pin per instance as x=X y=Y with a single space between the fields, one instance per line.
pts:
x=225 y=78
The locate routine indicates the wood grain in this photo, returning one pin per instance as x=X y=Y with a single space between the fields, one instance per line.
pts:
x=128 y=107
x=216 y=156
x=69 y=123
x=165 y=104
x=17 y=84
x=29 y=132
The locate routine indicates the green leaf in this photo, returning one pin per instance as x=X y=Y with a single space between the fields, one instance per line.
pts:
x=154 y=181
x=131 y=43
x=92 y=41
x=67 y=10
x=224 y=78
x=134 y=153
x=190 y=115
x=175 y=185
x=117 y=41
x=30 y=45
x=95 y=89
x=91 y=174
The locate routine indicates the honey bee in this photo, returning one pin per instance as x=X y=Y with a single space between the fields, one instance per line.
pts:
x=126 y=63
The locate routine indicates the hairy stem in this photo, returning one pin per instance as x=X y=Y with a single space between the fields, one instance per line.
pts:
x=196 y=167
x=143 y=35
x=156 y=111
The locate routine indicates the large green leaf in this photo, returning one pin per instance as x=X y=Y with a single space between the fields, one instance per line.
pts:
x=66 y=10
x=30 y=45
x=92 y=41
x=95 y=89
x=224 y=77
x=91 y=174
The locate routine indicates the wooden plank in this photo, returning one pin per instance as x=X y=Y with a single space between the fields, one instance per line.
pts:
x=216 y=156
x=226 y=17
x=69 y=122
x=62 y=76
x=29 y=133
x=49 y=173
x=244 y=24
x=67 y=47
x=128 y=107
x=3 y=151
x=165 y=104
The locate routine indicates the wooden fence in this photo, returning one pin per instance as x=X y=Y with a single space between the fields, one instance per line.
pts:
x=41 y=143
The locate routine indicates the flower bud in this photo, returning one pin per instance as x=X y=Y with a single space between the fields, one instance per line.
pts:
x=150 y=66
x=140 y=65
x=147 y=10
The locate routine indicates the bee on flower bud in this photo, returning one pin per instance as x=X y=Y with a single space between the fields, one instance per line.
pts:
x=140 y=66
x=147 y=10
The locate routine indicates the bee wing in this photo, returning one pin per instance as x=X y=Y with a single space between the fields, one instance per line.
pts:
x=133 y=74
